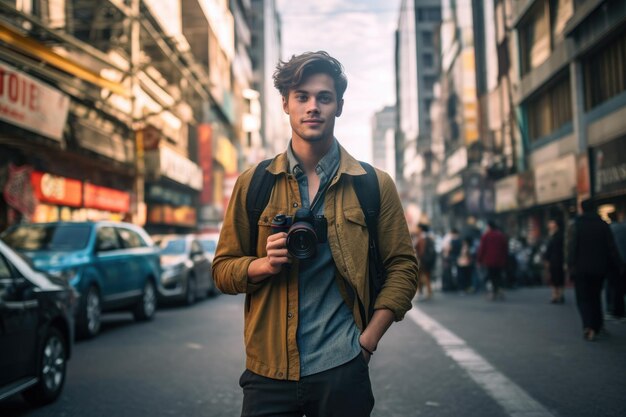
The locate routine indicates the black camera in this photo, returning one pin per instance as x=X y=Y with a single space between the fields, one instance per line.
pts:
x=304 y=232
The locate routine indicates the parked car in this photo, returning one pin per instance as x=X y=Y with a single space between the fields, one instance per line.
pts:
x=208 y=241
x=187 y=272
x=114 y=266
x=36 y=330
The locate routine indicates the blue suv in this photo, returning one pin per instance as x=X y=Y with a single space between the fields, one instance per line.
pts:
x=113 y=266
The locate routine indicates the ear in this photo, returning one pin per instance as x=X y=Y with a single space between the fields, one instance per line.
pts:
x=339 y=108
x=285 y=104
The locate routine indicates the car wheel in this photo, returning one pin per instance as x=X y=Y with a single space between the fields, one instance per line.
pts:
x=91 y=317
x=192 y=289
x=146 y=306
x=52 y=368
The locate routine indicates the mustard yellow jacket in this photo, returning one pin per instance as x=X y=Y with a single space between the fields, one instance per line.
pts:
x=271 y=307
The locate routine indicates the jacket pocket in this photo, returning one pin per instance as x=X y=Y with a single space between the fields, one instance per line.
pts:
x=355 y=215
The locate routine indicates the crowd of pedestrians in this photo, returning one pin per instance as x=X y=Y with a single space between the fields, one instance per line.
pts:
x=588 y=252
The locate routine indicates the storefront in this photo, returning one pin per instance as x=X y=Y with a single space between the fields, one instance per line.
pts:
x=609 y=178
x=173 y=185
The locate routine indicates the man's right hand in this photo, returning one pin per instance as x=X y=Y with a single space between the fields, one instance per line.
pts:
x=272 y=264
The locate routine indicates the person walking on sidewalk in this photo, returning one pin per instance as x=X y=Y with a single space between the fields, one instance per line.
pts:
x=427 y=256
x=617 y=288
x=307 y=331
x=493 y=254
x=591 y=256
x=555 y=259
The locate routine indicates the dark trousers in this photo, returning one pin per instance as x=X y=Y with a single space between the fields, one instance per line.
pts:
x=589 y=300
x=339 y=392
x=495 y=276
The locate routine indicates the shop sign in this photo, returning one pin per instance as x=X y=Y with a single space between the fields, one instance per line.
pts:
x=57 y=190
x=526 y=189
x=507 y=194
x=18 y=191
x=166 y=162
x=156 y=193
x=610 y=167
x=108 y=199
x=583 y=180
x=205 y=158
x=175 y=216
x=457 y=161
x=556 y=180
x=449 y=184
x=226 y=155
x=30 y=104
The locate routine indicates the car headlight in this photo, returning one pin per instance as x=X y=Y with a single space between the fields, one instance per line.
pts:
x=65 y=274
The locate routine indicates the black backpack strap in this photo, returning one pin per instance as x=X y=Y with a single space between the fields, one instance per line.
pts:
x=368 y=193
x=257 y=198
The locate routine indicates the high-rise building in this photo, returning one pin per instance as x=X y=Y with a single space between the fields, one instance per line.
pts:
x=417 y=71
x=383 y=139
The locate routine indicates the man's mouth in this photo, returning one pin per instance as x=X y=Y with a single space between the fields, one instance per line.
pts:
x=312 y=121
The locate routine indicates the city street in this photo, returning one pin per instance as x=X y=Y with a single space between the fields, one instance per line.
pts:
x=452 y=356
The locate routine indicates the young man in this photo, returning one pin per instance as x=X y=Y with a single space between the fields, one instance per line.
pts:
x=307 y=344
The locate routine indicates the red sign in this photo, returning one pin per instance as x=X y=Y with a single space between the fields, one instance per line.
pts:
x=109 y=199
x=61 y=191
x=205 y=159
x=18 y=192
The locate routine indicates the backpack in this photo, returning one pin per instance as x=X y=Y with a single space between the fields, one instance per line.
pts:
x=430 y=253
x=367 y=191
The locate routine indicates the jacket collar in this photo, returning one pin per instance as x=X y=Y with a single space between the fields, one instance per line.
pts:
x=347 y=164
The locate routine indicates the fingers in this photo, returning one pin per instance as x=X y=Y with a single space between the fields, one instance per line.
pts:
x=277 y=253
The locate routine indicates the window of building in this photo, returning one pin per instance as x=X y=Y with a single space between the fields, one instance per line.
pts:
x=429 y=82
x=550 y=110
x=429 y=14
x=605 y=72
x=427 y=39
x=427 y=60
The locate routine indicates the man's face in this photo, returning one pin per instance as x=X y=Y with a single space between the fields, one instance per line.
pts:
x=312 y=107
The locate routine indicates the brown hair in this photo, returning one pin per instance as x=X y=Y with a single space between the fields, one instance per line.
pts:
x=290 y=74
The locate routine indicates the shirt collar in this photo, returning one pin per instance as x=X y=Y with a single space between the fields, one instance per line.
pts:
x=328 y=164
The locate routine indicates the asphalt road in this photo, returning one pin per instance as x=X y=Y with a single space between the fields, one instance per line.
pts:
x=453 y=356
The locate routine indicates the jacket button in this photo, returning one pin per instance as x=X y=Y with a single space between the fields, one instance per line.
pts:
x=289 y=315
x=295 y=204
x=280 y=374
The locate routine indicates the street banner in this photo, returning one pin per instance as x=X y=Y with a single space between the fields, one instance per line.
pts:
x=30 y=104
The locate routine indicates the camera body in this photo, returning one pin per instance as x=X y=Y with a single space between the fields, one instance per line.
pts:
x=304 y=231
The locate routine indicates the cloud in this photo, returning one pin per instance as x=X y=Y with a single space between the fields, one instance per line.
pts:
x=361 y=36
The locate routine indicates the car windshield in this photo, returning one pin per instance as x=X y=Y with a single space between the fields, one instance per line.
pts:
x=208 y=245
x=173 y=247
x=48 y=237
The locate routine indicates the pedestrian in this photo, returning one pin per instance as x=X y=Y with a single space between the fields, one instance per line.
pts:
x=616 y=288
x=465 y=264
x=591 y=256
x=427 y=256
x=450 y=253
x=493 y=254
x=554 y=257
x=307 y=333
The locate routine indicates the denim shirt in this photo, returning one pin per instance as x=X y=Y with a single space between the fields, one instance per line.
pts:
x=327 y=335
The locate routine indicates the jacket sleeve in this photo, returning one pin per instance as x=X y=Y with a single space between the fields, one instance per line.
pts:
x=232 y=259
x=397 y=253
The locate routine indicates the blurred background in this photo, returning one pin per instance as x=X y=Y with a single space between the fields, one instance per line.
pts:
x=146 y=112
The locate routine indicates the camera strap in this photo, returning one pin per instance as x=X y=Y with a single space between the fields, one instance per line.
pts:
x=257 y=198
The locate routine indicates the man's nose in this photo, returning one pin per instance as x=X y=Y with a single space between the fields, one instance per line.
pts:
x=313 y=106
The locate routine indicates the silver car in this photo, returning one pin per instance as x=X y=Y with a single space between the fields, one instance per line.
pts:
x=186 y=270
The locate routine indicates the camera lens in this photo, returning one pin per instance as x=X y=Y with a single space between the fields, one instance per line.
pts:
x=302 y=241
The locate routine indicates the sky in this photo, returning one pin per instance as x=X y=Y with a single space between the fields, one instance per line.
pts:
x=360 y=34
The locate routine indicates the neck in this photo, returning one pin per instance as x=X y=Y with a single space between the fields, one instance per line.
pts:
x=310 y=153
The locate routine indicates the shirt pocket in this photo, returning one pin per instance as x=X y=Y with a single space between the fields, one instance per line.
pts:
x=356 y=227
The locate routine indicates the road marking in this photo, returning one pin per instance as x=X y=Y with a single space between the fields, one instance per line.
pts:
x=515 y=401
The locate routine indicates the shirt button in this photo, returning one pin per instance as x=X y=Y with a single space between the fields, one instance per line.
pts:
x=295 y=204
